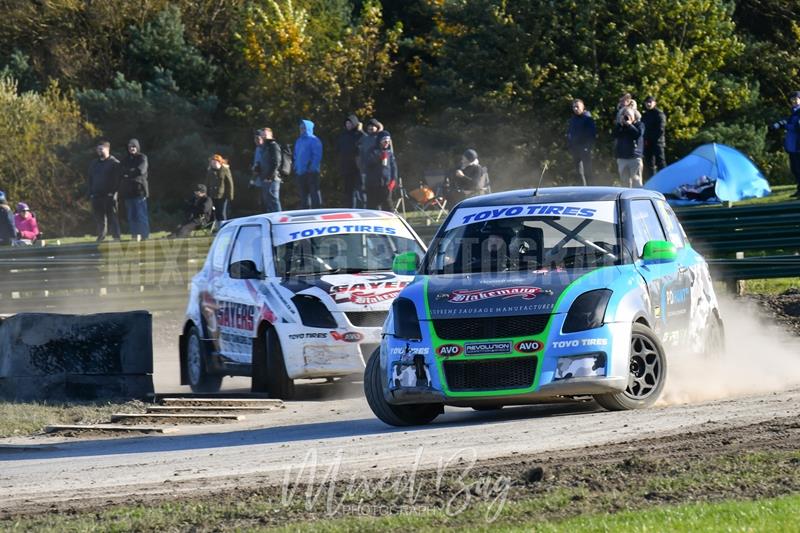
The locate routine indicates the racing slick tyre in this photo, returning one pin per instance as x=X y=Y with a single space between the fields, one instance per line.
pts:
x=394 y=415
x=648 y=373
x=714 y=340
x=269 y=368
x=199 y=378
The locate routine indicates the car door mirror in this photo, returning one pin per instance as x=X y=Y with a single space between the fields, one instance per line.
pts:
x=245 y=269
x=659 y=252
x=406 y=264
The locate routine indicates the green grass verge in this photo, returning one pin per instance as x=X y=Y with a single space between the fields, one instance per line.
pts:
x=25 y=418
x=771 y=286
x=780 y=193
x=768 y=515
x=734 y=492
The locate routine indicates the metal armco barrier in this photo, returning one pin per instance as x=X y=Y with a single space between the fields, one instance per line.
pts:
x=750 y=242
x=110 y=276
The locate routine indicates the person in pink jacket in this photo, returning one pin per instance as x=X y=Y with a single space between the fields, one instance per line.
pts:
x=26 y=224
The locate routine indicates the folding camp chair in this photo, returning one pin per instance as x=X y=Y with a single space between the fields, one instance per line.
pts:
x=428 y=197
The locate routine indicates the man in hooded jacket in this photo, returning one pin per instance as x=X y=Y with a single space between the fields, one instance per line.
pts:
x=347 y=159
x=792 y=141
x=307 y=161
x=134 y=189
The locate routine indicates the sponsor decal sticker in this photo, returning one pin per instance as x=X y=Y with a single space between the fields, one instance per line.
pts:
x=403 y=350
x=589 y=210
x=296 y=336
x=448 y=350
x=438 y=312
x=677 y=296
x=462 y=296
x=372 y=290
x=528 y=346
x=235 y=316
x=580 y=343
x=297 y=230
x=348 y=336
x=484 y=348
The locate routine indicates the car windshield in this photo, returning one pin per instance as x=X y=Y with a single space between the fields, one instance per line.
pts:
x=525 y=244
x=343 y=253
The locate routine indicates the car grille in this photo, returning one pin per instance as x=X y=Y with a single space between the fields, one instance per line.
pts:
x=490 y=374
x=371 y=319
x=490 y=327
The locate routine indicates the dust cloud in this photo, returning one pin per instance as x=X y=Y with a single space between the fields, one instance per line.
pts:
x=760 y=357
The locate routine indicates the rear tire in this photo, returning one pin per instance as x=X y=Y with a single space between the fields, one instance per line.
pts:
x=394 y=415
x=648 y=373
x=196 y=364
x=269 y=368
x=714 y=339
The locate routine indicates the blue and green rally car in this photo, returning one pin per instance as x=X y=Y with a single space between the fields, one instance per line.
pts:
x=544 y=295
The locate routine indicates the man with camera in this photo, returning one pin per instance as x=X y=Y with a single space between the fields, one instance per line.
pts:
x=792 y=141
x=629 y=135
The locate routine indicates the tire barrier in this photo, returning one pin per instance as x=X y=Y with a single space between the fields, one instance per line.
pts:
x=46 y=356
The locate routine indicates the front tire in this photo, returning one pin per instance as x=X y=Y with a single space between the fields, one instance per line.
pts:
x=394 y=415
x=196 y=365
x=269 y=368
x=648 y=373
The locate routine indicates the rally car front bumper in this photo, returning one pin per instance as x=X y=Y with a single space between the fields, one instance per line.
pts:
x=326 y=352
x=577 y=364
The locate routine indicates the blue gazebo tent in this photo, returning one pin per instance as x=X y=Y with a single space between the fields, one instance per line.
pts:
x=737 y=178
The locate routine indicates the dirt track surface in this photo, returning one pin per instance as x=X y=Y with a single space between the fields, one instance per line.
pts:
x=41 y=473
x=715 y=404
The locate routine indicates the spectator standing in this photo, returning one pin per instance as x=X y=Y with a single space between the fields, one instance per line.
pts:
x=104 y=173
x=199 y=213
x=792 y=141
x=219 y=184
x=271 y=157
x=655 y=124
x=26 y=224
x=134 y=190
x=366 y=144
x=307 y=161
x=347 y=159
x=255 y=168
x=629 y=135
x=8 y=231
x=382 y=174
x=581 y=136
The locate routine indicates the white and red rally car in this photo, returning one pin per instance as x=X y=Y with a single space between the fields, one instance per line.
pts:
x=297 y=294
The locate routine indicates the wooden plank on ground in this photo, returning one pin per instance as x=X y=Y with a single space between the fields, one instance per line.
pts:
x=209 y=408
x=116 y=417
x=109 y=427
x=211 y=396
x=219 y=402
